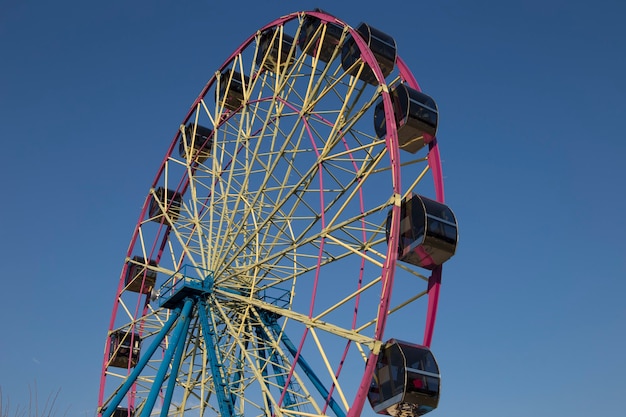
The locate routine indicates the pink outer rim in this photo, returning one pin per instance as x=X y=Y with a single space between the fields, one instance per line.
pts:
x=434 y=161
x=392 y=145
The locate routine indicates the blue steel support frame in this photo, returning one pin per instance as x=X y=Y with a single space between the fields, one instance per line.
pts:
x=273 y=324
x=180 y=331
x=227 y=408
x=180 y=348
x=145 y=357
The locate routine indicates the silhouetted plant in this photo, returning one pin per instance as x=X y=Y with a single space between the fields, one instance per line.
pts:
x=33 y=408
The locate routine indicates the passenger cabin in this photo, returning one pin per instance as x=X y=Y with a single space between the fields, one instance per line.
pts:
x=199 y=142
x=416 y=118
x=169 y=200
x=406 y=380
x=382 y=46
x=428 y=232
x=123 y=412
x=275 y=50
x=231 y=89
x=121 y=355
x=138 y=278
x=318 y=38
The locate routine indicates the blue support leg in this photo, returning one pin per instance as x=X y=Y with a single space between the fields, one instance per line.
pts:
x=171 y=383
x=222 y=390
x=145 y=357
x=179 y=332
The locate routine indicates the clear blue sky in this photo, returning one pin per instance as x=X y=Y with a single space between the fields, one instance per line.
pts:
x=532 y=319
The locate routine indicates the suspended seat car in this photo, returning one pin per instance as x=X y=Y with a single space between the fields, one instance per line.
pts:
x=124 y=349
x=199 y=145
x=123 y=412
x=168 y=199
x=382 y=46
x=406 y=380
x=416 y=118
x=134 y=278
x=428 y=232
x=230 y=93
x=274 y=50
x=313 y=33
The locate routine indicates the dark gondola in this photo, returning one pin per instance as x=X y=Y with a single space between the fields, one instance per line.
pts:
x=274 y=51
x=202 y=142
x=123 y=412
x=230 y=93
x=406 y=381
x=121 y=354
x=168 y=199
x=317 y=40
x=382 y=46
x=428 y=232
x=416 y=118
x=134 y=279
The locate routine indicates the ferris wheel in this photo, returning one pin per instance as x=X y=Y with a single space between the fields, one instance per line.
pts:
x=297 y=213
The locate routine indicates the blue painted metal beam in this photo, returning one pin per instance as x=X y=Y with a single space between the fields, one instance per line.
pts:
x=220 y=382
x=143 y=360
x=157 y=385
x=180 y=349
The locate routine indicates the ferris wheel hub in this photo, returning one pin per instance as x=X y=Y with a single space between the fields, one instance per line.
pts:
x=188 y=282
